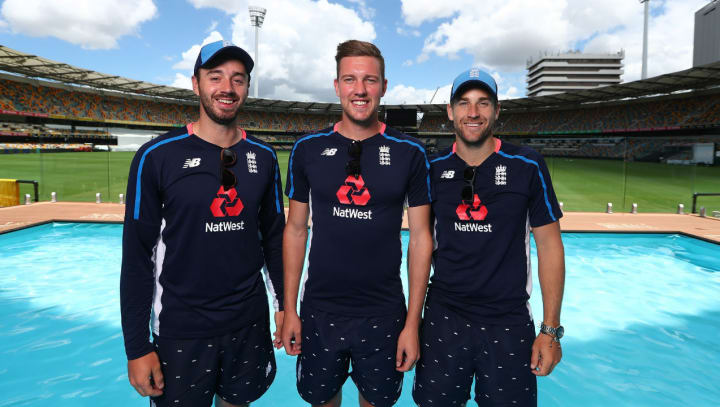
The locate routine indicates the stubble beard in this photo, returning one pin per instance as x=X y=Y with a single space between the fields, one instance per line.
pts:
x=486 y=134
x=367 y=122
x=207 y=104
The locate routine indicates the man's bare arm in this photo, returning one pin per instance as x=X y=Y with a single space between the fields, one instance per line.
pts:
x=551 y=272
x=294 y=244
x=419 y=255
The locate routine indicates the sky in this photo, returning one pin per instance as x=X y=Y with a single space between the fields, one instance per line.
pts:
x=425 y=43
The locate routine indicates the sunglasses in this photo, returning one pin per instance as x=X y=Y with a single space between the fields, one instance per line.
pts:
x=227 y=160
x=468 y=191
x=353 y=166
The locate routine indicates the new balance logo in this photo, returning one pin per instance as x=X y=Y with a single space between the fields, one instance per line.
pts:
x=191 y=163
x=329 y=152
x=500 y=175
x=449 y=174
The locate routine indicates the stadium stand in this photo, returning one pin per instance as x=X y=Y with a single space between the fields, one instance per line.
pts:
x=47 y=101
x=43 y=101
x=661 y=113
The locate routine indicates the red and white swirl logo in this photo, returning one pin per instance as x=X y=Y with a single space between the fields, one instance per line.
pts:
x=226 y=203
x=354 y=191
x=476 y=211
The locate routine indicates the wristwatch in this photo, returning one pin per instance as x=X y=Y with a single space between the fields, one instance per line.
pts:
x=556 y=333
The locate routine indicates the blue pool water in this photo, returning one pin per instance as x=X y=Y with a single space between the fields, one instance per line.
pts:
x=641 y=312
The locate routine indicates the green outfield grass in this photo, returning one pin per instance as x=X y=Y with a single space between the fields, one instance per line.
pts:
x=581 y=184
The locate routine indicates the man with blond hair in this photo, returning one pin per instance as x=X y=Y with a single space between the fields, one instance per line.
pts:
x=355 y=178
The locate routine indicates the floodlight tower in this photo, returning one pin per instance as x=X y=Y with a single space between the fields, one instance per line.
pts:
x=645 y=39
x=257 y=17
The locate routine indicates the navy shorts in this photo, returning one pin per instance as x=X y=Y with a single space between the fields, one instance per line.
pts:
x=454 y=350
x=238 y=367
x=330 y=342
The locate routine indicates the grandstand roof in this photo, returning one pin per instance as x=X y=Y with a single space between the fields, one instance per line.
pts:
x=698 y=78
x=37 y=67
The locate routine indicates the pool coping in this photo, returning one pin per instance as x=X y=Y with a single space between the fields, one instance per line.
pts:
x=708 y=229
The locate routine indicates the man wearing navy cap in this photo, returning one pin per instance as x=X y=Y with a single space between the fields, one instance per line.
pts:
x=203 y=220
x=487 y=195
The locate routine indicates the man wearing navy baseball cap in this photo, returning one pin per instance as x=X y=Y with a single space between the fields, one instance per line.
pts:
x=203 y=220
x=487 y=195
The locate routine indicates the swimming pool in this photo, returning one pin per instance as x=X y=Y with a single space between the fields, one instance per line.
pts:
x=641 y=312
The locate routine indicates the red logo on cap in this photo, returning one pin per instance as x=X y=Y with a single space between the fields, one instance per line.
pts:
x=354 y=190
x=476 y=211
x=226 y=203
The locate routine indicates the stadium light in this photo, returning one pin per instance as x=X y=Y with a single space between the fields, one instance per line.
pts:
x=257 y=17
x=645 y=39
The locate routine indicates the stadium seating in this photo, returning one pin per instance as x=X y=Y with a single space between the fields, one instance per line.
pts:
x=22 y=97
x=587 y=131
x=655 y=114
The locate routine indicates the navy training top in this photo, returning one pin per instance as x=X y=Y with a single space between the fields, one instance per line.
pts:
x=193 y=251
x=481 y=259
x=355 y=251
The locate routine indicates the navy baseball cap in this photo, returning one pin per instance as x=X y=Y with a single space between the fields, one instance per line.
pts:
x=474 y=76
x=211 y=52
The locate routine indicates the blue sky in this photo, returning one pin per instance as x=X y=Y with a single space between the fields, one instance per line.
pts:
x=425 y=42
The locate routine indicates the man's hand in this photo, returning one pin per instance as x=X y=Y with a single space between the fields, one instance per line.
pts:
x=546 y=354
x=146 y=376
x=277 y=335
x=408 y=349
x=292 y=333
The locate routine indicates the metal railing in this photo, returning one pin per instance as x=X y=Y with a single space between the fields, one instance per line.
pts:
x=35 y=186
x=697 y=194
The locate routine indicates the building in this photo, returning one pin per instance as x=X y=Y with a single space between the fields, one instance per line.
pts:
x=563 y=72
x=706 y=47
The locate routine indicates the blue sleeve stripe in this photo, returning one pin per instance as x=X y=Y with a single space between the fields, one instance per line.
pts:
x=443 y=157
x=277 y=171
x=542 y=179
x=292 y=154
x=136 y=214
x=422 y=150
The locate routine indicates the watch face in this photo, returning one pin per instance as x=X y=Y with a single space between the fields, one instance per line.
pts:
x=559 y=332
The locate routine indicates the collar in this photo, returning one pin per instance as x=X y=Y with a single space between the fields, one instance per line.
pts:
x=498 y=144
x=191 y=132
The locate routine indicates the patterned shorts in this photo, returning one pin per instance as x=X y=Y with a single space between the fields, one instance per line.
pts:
x=239 y=367
x=454 y=350
x=330 y=342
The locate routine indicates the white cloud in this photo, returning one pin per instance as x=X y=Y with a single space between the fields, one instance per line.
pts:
x=182 y=81
x=297 y=44
x=408 y=62
x=503 y=34
x=401 y=94
x=407 y=32
x=366 y=12
x=92 y=24
x=189 y=57
x=418 y=11
x=213 y=26
x=229 y=6
x=670 y=40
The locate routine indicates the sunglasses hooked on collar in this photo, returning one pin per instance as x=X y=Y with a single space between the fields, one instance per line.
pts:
x=228 y=158
x=353 y=166
x=468 y=191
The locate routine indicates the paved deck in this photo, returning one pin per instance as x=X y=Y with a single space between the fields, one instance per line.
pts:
x=18 y=217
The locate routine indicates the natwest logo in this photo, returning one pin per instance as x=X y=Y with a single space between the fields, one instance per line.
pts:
x=226 y=203
x=476 y=211
x=354 y=191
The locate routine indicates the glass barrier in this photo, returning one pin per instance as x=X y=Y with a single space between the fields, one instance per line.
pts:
x=656 y=173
